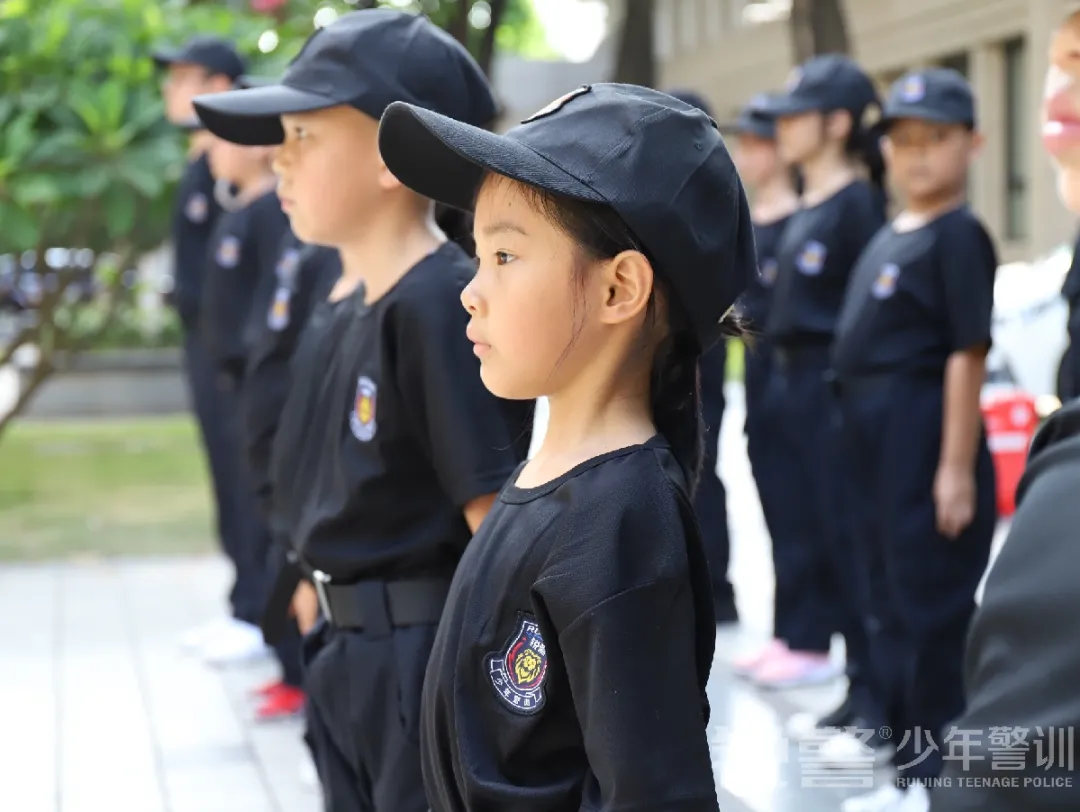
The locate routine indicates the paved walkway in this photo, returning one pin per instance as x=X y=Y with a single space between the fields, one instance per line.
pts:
x=104 y=713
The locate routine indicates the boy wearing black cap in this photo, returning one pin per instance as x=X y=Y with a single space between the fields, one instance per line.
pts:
x=909 y=357
x=613 y=238
x=203 y=65
x=390 y=450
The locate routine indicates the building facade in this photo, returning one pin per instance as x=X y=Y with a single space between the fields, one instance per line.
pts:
x=731 y=49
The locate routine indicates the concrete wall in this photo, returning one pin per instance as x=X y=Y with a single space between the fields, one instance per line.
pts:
x=713 y=51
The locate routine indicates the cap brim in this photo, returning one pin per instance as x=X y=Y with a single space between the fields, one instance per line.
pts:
x=890 y=117
x=165 y=57
x=253 y=117
x=790 y=106
x=446 y=160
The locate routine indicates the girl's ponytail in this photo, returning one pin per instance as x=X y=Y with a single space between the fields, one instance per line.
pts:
x=676 y=402
x=864 y=143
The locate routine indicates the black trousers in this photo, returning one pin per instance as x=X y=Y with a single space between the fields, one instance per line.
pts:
x=216 y=415
x=919 y=586
x=363 y=711
x=710 y=501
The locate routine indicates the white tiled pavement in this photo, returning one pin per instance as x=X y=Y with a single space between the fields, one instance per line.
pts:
x=103 y=713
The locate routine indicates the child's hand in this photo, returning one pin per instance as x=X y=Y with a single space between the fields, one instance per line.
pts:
x=305 y=607
x=954 y=498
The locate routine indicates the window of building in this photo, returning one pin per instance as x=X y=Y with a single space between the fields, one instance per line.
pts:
x=1016 y=139
x=958 y=62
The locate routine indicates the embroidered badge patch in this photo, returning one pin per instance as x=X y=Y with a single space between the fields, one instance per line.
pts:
x=767 y=272
x=913 y=88
x=518 y=672
x=885 y=284
x=794 y=78
x=812 y=258
x=558 y=104
x=228 y=252
x=286 y=268
x=197 y=207
x=362 y=417
x=278 y=317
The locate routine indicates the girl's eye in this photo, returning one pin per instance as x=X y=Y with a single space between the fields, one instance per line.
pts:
x=503 y=258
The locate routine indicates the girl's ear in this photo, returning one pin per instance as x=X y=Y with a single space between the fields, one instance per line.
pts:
x=626 y=285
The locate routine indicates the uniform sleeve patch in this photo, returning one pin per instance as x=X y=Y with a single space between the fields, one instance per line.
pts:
x=362 y=417
x=196 y=208
x=767 y=272
x=885 y=284
x=812 y=258
x=519 y=671
x=228 y=252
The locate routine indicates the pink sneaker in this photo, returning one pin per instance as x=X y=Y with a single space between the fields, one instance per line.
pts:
x=796 y=669
x=746 y=665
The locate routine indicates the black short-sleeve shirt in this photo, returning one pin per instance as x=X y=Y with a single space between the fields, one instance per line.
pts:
x=388 y=431
x=195 y=212
x=754 y=302
x=817 y=251
x=244 y=249
x=570 y=666
x=916 y=297
x=302 y=277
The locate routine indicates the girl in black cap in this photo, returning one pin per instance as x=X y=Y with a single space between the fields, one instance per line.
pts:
x=570 y=666
x=826 y=127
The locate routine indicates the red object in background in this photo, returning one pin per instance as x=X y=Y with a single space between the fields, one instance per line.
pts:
x=1011 y=420
x=267 y=6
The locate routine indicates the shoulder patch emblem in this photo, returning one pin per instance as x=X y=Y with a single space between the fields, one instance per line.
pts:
x=278 y=317
x=812 y=258
x=885 y=284
x=228 y=252
x=287 y=266
x=768 y=271
x=519 y=671
x=794 y=78
x=362 y=417
x=558 y=104
x=913 y=88
x=196 y=208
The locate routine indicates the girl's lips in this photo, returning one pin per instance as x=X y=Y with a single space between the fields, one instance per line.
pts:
x=1061 y=128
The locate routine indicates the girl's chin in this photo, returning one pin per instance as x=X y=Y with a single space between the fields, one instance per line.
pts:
x=1068 y=181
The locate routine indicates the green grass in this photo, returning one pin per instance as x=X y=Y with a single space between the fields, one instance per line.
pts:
x=735 y=360
x=103 y=488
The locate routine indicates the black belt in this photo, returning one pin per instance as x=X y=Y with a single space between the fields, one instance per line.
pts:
x=870 y=385
x=377 y=607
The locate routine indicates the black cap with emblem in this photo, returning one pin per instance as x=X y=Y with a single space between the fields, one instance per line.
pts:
x=824 y=84
x=658 y=162
x=941 y=95
x=366 y=60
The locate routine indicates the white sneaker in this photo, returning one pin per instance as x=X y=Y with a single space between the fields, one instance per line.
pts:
x=917 y=800
x=843 y=751
x=197 y=637
x=888 y=798
x=238 y=643
x=309 y=776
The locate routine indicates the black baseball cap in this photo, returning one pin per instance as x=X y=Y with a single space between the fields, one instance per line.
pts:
x=217 y=55
x=936 y=94
x=693 y=98
x=364 y=59
x=756 y=118
x=658 y=162
x=826 y=83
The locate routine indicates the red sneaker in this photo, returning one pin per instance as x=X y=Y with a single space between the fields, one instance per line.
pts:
x=268 y=690
x=286 y=702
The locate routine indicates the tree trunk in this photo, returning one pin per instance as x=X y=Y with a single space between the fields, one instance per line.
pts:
x=459 y=23
x=818 y=27
x=636 y=62
x=486 y=53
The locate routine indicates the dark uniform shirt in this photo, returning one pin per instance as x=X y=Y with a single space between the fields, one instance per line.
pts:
x=388 y=431
x=302 y=277
x=570 y=666
x=917 y=297
x=754 y=303
x=817 y=251
x=243 y=251
x=194 y=215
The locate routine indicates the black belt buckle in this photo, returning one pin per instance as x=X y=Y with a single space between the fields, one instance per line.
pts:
x=321 y=580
